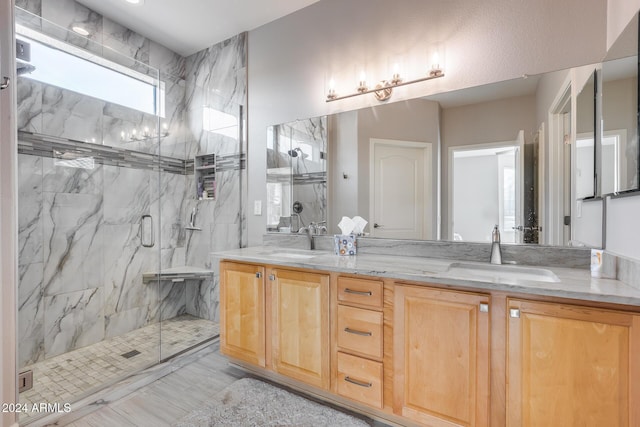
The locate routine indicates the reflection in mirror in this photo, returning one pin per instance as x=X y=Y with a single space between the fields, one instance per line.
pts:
x=488 y=178
x=620 y=113
x=530 y=113
x=584 y=173
x=296 y=174
x=619 y=148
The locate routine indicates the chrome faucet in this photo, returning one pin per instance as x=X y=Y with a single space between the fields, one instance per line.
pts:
x=496 y=252
x=309 y=231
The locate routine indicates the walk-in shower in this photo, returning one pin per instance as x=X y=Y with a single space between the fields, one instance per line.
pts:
x=104 y=179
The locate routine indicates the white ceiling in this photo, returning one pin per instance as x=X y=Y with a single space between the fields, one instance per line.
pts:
x=188 y=26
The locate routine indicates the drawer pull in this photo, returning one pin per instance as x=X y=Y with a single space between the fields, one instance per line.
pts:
x=363 y=293
x=353 y=331
x=356 y=382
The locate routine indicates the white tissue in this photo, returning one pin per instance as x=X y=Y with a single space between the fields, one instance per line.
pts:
x=360 y=223
x=346 y=225
x=352 y=226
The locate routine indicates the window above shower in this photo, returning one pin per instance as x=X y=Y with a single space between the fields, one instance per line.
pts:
x=63 y=65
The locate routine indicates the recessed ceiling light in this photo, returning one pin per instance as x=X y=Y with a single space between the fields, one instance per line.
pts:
x=135 y=1
x=80 y=30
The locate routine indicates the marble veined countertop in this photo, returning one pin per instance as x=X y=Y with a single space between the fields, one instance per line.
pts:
x=553 y=281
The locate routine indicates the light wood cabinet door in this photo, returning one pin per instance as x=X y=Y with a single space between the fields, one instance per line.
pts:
x=242 y=312
x=441 y=356
x=300 y=326
x=572 y=366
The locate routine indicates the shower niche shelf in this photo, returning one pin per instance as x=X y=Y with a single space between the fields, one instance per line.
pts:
x=205 y=176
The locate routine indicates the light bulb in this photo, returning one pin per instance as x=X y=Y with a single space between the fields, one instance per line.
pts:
x=362 y=85
x=332 y=91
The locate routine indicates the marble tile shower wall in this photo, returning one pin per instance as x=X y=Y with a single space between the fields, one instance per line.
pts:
x=54 y=111
x=216 y=77
x=309 y=170
x=81 y=262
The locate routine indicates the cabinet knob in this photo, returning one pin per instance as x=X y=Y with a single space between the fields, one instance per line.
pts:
x=514 y=313
x=484 y=307
x=258 y=275
x=272 y=277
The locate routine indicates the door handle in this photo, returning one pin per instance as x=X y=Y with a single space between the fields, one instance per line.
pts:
x=376 y=225
x=147 y=237
x=5 y=83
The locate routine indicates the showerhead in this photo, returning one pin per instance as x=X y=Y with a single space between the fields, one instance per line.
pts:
x=24 y=68
x=297 y=152
x=294 y=152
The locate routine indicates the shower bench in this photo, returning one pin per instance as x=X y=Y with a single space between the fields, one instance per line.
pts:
x=177 y=274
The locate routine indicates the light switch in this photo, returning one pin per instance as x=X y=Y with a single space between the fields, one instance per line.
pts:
x=257 y=207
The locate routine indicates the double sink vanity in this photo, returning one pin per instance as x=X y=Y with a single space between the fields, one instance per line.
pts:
x=418 y=328
x=415 y=340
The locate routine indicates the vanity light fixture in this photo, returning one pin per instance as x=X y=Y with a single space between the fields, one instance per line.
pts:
x=146 y=134
x=384 y=89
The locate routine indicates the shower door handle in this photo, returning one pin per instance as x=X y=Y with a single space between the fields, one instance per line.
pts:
x=147 y=237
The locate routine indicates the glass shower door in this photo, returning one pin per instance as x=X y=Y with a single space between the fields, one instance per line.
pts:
x=90 y=204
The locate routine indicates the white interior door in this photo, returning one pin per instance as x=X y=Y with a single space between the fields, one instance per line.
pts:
x=400 y=189
x=486 y=189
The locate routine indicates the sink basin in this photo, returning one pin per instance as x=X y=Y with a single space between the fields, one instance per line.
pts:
x=500 y=273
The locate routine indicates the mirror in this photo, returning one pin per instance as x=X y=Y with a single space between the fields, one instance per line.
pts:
x=296 y=174
x=518 y=133
x=585 y=155
x=620 y=157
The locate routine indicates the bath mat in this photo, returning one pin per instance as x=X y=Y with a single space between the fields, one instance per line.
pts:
x=249 y=402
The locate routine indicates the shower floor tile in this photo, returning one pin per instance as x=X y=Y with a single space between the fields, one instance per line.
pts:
x=71 y=376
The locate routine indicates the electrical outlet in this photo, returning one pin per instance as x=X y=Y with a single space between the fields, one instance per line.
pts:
x=257 y=207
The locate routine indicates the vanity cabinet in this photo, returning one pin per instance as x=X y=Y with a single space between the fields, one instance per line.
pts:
x=242 y=318
x=572 y=365
x=426 y=354
x=300 y=325
x=276 y=319
x=441 y=356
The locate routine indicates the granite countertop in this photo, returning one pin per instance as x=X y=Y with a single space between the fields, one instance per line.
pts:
x=563 y=282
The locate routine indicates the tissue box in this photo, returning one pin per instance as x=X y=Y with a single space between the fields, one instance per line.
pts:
x=344 y=244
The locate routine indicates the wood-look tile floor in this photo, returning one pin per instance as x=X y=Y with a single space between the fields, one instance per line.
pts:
x=169 y=398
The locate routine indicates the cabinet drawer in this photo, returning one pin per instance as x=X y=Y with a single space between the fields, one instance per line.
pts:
x=360 y=379
x=360 y=291
x=360 y=330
